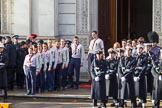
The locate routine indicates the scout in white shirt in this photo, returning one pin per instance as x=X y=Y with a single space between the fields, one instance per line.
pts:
x=60 y=65
x=52 y=64
x=78 y=56
x=65 y=70
x=95 y=45
x=46 y=52
x=31 y=67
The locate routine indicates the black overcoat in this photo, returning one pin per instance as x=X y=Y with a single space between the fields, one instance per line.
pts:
x=98 y=88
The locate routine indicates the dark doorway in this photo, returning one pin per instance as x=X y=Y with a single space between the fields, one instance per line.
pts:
x=134 y=18
x=107 y=22
x=119 y=19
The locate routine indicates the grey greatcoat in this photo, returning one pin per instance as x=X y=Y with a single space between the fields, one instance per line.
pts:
x=98 y=88
x=157 y=86
x=111 y=82
x=140 y=85
x=126 y=68
x=3 y=73
x=149 y=78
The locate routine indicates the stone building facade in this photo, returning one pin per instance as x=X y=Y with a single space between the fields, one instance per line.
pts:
x=49 y=18
x=59 y=18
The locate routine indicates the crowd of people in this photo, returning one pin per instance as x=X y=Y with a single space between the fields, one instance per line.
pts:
x=40 y=65
x=131 y=71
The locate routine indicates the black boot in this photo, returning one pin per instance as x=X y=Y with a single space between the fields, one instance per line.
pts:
x=94 y=102
x=4 y=93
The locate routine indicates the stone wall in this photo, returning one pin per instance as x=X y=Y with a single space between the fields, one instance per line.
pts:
x=157 y=18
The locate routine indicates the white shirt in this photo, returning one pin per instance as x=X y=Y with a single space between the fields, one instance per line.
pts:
x=96 y=44
x=61 y=56
x=31 y=60
x=79 y=51
x=66 y=52
x=53 y=56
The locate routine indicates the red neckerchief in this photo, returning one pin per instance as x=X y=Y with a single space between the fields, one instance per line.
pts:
x=30 y=56
x=94 y=43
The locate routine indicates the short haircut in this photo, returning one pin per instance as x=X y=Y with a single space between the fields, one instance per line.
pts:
x=94 y=31
x=76 y=37
x=124 y=40
x=57 y=40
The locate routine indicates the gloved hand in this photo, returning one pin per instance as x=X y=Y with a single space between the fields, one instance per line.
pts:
x=157 y=69
x=136 y=78
x=97 y=78
x=160 y=77
x=107 y=76
x=123 y=79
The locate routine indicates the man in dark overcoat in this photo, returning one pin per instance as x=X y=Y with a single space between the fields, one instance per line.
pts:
x=157 y=84
x=3 y=73
x=98 y=70
x=126 y=84
x=111 y=77
x=139 y=76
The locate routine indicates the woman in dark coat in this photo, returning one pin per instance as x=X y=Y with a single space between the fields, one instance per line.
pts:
x=3 y=73
x=98 y=70
x=111 y=77
x=157 y=84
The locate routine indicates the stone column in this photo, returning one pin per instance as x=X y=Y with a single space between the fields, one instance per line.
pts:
x=157 y=18
x=4 y=28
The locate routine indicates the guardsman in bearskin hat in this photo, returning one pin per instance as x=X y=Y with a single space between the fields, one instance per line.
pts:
x=157 y=74
x=126 y=68
x=3 y=73
x=139 y=76
x=98 y=70
x=154 y=39
x=111 y=77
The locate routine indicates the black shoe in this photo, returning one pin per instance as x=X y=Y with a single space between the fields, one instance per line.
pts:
x=112 y=105
x=58 y=89
x=63 y=88
x=76 y=87
x=70 y=86
x=121 y=105
x=4 y=100
x=139 y=104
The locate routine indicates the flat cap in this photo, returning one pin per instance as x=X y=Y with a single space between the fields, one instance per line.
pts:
x=98 y=52
x=33 y=35
x=140 y=46
x=121 y=50
x=129 y=48
x=147 y=44
x=111 y=50
x=15 y=36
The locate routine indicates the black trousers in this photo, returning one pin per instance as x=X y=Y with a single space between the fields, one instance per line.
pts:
x=11 y=78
